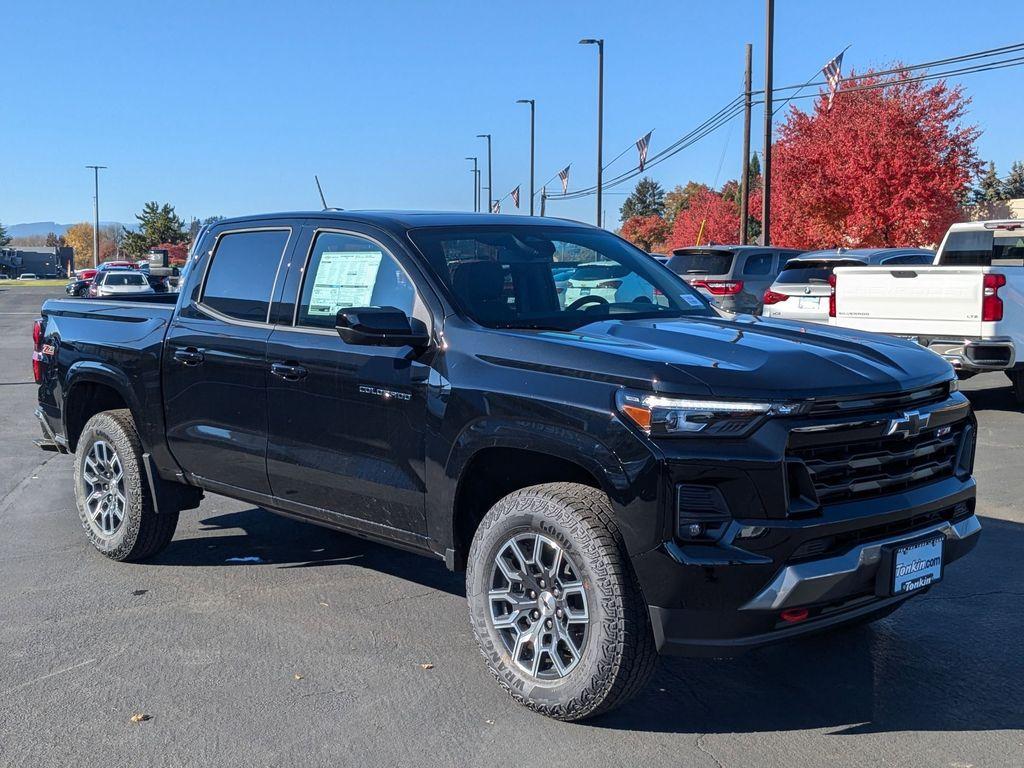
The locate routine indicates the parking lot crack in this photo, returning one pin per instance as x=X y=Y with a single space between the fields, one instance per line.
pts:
x=700 y=745
x=31 y=475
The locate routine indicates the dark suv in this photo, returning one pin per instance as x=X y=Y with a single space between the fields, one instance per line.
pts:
x=618 y=475
x=734 y=277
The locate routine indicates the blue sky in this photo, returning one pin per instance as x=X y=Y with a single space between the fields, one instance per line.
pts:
x=230 y=108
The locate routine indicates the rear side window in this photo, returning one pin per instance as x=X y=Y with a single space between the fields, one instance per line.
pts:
x=697 y=262
x=241 y=277
x=758 y=264
x=913 y=258
x=600 y=271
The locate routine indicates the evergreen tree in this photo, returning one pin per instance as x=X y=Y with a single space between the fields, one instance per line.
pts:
x=4 y=237
x=1013 y=186
x=990 y=189
x=647 y=199
x=157 y=224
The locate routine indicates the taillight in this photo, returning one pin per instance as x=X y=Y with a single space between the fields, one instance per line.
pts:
x=991 y=304
x=37 y=362
x=610 y=284
x=719 y=287
x=832 y=295
x=771 y=297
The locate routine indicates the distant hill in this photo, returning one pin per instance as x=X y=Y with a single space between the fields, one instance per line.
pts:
x=36 y=228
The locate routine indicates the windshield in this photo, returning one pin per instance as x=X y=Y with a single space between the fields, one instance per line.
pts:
x=701 y=262
x=813 y=271
x=121 y=278
x=1000 y=247
x=550 y=277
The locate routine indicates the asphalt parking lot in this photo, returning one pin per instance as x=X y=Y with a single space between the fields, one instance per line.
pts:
x=315 y=654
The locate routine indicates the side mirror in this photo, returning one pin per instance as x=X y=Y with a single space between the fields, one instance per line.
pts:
x=381 y=326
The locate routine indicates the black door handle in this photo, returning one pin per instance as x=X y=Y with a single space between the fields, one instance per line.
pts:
x=188 y=356
x=288 y=371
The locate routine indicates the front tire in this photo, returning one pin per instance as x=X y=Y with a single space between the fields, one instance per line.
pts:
x=554 y=604
x=114 y=501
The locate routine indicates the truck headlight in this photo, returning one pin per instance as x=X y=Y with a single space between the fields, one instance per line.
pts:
x=671 y=416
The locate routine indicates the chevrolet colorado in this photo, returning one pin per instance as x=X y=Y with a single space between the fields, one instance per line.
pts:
x=617 y=477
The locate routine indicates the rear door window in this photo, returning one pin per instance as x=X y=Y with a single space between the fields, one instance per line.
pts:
x=701 y=262
x=240 y=279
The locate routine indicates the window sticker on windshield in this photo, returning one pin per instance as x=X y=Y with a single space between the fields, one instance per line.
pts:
x=693 y=301
x=344 y=279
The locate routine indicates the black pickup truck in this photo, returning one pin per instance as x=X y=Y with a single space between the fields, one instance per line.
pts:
x=620 y=467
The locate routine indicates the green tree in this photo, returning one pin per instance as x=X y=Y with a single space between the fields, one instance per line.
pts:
x=647 y=199
x=157 y=224
x=4 y=237
x=53 y=240
x=990 y=188
x=1013 y=185
x=679 y=198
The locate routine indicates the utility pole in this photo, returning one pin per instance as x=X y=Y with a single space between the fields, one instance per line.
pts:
x=543 y=200
x=533 y=116
x=96 y=212
x=745 y=177
x=600 y=113
x=490 y=179
x=766 y=166
x=476 y=185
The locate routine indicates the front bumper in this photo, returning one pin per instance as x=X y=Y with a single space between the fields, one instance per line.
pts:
x=835 y=590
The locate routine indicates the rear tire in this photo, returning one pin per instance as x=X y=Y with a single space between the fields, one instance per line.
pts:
x=584 y=610
x=114 y=500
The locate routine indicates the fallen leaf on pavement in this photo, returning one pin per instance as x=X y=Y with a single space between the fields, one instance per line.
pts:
x=426 y=665
x=297 y=677
x=140 y=717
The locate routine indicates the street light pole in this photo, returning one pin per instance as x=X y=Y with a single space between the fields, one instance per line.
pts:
x=476 y=186
x=490 y=179
x=600 y=113
x=766 y=168
x=533 y=116
x=96 y=212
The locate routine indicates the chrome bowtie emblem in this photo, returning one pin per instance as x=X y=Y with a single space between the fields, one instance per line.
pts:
x=909 y=424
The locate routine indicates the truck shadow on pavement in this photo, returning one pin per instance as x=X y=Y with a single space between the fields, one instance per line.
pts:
x=993 y=398
x=288 y=543
x=948 y=660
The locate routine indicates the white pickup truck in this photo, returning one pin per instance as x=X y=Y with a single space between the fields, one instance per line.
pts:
x=967 y=307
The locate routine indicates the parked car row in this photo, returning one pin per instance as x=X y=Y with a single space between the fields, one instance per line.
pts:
x=119 y=278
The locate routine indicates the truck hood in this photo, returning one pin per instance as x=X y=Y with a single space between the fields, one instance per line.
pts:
x=742 y=357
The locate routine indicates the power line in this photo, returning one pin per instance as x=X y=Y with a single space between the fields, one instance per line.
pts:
x=735 y=107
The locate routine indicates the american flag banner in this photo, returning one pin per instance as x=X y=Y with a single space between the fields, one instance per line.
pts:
x=564 y=176
x=641 y=147
x=496 y=207
x=515 y=195
x=833 y=76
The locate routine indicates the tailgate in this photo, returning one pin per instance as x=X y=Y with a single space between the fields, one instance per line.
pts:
x=911 y=300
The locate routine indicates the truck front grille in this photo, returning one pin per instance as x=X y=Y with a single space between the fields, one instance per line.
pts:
x=846 y=470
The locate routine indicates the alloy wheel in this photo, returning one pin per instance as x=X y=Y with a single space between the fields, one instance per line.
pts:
x=103 y=486
x=538 y=606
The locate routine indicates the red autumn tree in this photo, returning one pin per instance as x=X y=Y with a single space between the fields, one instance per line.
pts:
x=646 y=232
x=884 y=167
x=177 y=253
x=710 y=216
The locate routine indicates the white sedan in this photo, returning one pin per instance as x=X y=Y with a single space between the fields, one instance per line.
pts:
x=607 y=280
